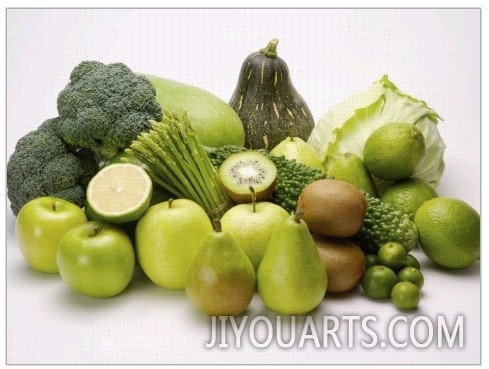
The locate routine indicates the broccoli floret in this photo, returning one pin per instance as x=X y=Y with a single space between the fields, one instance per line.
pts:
x=104 y=107
x=292 y=176
x=385 y=223
x=42 y=164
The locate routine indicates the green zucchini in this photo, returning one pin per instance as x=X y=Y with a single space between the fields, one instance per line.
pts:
x=215 y=122
x=267 y=102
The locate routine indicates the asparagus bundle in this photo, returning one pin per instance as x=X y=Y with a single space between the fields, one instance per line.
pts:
x=175 y=159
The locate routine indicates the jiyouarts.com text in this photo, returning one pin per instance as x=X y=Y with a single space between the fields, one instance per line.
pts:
x=346 y=331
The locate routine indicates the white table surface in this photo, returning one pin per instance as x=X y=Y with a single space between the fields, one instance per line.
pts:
x=433 y=55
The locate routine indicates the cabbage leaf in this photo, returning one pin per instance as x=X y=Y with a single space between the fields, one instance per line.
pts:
x=346 y=126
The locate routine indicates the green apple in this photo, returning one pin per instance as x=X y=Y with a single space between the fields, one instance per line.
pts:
x=96 y=259
x=40 y=225
x=252 y=225
x=295 y=148
x=167 y=238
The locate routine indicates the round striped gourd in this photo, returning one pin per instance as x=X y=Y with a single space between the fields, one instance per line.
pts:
x=267 y=102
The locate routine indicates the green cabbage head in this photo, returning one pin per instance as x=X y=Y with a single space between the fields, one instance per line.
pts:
x=346 y=126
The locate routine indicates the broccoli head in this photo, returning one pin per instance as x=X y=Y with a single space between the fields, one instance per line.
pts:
x=105 y=107
x=42 y=164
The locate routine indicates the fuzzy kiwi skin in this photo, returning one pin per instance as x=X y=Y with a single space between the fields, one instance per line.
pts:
x=333 y=207
x=344 y=261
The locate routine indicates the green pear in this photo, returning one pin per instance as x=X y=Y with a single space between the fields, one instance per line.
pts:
x=291 y=278
x=350 y=168
x=252 y=225
x=221 y=279
x=295 y=148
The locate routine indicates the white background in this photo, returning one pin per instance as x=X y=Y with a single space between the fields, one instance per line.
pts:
x=432 y=54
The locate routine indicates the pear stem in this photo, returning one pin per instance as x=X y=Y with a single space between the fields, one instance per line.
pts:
x=216 y=223
x=298 y=215
x=253 y=198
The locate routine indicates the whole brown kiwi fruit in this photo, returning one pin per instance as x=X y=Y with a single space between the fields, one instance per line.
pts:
x=344 y=261
x=332 y=207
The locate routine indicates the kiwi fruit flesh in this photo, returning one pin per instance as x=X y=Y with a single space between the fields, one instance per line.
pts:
x=243 y=170
x=344 y=261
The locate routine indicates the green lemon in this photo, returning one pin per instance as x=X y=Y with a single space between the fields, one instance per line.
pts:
x=119 y=193
x=411 y=261
x=411 y=274
x=371 y=259
x=392 y=151
x=405 y=295
x=392 y=255
x=449 y=232
x=377 y=281
x=409 y=194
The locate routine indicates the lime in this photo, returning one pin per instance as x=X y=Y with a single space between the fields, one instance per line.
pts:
x=411 y=261
x=449 y=232
x=371 y=259
x=409 y=194
x=378 y=281
x=119 y=193
x=405 y=295
x=392 y=255
x=392 y=151
x=411 y=274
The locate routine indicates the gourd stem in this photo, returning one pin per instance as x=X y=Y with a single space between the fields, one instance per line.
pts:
x=271 y=50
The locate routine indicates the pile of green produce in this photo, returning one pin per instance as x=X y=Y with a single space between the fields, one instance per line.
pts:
x=288 y=209
x=102 y=109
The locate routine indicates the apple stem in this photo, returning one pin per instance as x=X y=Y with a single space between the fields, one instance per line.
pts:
x=53 y=206
x=170 y=202
x=96 y=230
x=298 y=215
x=253 y=198
x=216 y=223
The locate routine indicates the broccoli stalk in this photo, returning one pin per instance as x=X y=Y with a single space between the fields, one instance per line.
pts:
x=44 y=165
x=105 y=107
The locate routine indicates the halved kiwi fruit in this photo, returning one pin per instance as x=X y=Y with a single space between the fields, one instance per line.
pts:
x=247 y=169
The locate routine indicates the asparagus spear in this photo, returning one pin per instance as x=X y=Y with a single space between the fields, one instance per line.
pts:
x=174 y=157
